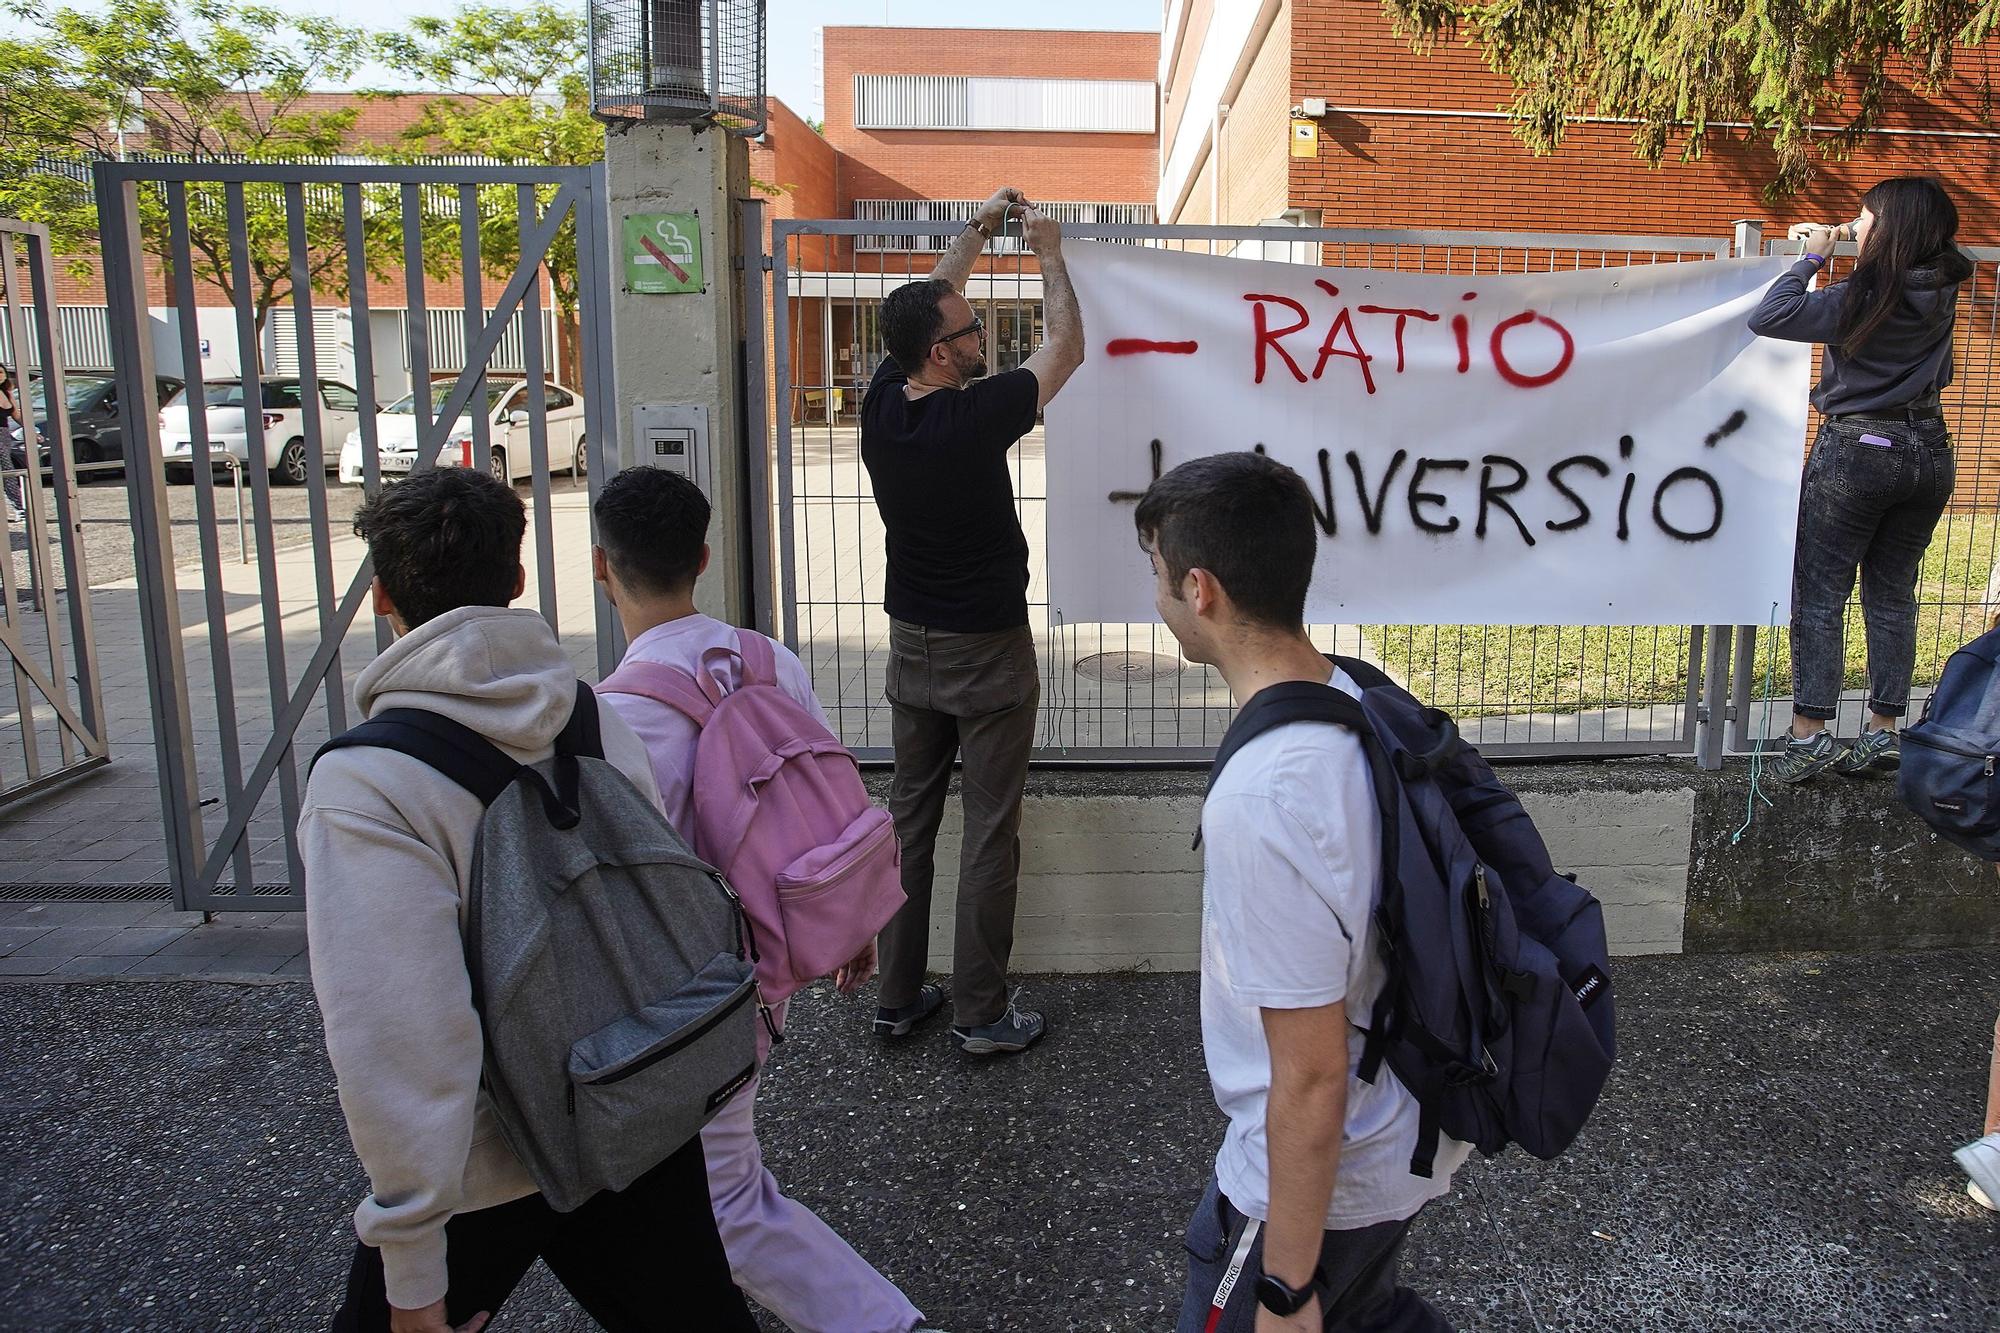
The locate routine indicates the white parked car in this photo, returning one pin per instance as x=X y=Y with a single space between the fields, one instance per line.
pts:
x=284 y=426
x=508 y=454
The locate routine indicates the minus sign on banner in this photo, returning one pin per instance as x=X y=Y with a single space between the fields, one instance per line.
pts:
x=1133 y=346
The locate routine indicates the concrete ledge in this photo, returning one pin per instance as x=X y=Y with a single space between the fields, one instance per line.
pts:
x=1839 y=864
x=1110 y=880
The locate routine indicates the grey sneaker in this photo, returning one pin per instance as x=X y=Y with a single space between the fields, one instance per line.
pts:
x=1013 y=1032
x=1980 y=1160
x=1801 y=760
x=1873 y=752
x=891 y=1024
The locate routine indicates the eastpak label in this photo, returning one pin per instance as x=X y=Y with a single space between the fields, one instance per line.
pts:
x=1590 y=986
x=731 y=1088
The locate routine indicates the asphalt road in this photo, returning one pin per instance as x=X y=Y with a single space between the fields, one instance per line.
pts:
x=1773 y=1152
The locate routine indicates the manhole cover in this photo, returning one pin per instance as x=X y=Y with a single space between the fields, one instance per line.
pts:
x=1127 y=666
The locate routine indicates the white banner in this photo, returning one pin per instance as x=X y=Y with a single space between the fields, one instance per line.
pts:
x=1610 y=447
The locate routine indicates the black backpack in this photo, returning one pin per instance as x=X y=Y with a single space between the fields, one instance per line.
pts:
x=1496 y=1012
x=1950 y=754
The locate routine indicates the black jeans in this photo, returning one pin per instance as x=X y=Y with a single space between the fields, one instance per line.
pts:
x=1356 y=1276
x=644 y=1258
x=1874 y=490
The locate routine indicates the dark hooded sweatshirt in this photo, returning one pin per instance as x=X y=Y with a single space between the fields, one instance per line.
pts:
x=1905 y=362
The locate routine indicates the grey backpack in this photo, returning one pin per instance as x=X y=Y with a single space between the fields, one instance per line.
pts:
x=611 y=967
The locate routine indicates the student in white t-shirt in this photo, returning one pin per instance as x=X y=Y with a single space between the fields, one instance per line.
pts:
x=652 y=534
x=1304 y=1218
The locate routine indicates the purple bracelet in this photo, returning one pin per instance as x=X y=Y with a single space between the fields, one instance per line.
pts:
x=1817 y=259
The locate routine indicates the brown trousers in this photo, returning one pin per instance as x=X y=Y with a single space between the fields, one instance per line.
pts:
x=973 y=695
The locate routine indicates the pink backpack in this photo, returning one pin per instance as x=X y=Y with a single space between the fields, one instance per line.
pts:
x=779 y=808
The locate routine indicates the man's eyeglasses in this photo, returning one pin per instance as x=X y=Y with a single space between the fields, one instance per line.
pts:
x=976 y=326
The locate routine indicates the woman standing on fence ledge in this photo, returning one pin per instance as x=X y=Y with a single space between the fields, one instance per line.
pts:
x=1881 y=469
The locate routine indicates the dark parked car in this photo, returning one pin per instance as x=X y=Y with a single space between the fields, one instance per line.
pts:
x=96 y=434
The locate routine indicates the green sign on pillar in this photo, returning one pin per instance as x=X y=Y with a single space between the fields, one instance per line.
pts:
x=663 y=252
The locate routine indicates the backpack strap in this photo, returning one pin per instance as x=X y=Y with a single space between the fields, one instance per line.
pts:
x=1279 y=705
x=453 y=749
x=760 y=664
x=1287 y=702
x=1423 y=1161
x=1444 y=738
x=663 y=685
x=1365 y=674
x=583 y=734
x=582 y=737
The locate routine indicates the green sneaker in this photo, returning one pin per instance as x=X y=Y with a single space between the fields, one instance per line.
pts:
x=1801 y=761
x=1874 y=752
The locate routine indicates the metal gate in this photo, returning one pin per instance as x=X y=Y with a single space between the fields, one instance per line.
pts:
x=1121 y=693
x=45 y=625
x=250 y=661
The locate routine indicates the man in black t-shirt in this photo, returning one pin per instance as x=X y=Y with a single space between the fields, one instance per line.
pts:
x=962 y=673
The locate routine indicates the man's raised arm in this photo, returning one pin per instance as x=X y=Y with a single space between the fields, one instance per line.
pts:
x=1062 y=318
x=955 y=267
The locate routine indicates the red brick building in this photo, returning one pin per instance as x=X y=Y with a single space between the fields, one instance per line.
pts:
x=922 y=124
x=1424 y=141
x=1410 y=141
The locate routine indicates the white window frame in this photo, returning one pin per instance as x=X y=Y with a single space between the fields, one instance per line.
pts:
x=978 y=102
x=891 y=211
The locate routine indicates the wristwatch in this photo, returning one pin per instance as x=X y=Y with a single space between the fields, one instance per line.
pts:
x=1277 y=1297
x=980 y=227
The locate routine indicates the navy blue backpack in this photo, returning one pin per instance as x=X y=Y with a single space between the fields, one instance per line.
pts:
x=1949 y=756
x=1497 y=1011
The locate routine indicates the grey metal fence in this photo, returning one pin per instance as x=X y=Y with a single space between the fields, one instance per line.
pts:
x=247 y=664
x=1121 y=692
x=53 y=725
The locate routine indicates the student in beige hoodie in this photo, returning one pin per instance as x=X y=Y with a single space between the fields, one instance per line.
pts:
x=452 y=1221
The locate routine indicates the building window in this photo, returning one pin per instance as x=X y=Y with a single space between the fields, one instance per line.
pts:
x=953 y=102
x=964 y=210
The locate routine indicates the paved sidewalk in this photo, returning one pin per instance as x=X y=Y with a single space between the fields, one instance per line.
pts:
x=147 y=938
x=1773 y=1153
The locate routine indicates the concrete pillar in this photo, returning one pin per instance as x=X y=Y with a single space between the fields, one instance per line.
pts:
x=681 y=348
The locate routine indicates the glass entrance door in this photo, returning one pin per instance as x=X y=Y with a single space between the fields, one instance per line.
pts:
x=1014 y=331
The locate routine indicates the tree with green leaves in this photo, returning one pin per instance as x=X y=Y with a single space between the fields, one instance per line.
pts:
x=187 y=79
x=515 y=89
x=1680 y=67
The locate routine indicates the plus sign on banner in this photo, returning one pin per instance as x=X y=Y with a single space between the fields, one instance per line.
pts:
x=1610 y=447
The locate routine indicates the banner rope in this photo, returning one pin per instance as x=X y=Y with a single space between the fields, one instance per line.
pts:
x=1060 y=653
x=1757 y=750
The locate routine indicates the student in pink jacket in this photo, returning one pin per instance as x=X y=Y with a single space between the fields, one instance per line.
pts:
x=652 y=532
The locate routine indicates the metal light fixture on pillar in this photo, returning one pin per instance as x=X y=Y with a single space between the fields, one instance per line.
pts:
x=698 y=62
